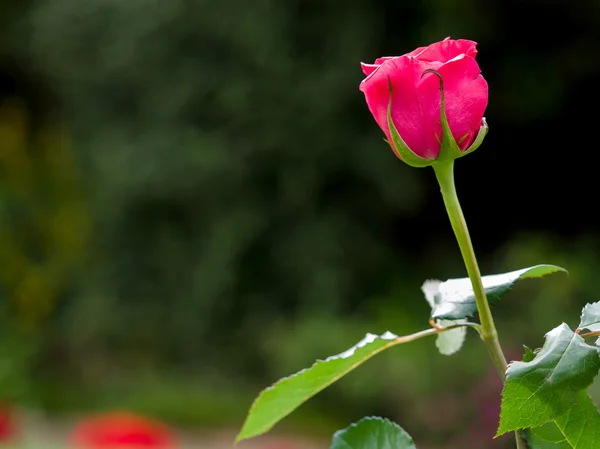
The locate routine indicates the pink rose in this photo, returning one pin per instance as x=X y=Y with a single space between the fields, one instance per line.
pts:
x=416 y=100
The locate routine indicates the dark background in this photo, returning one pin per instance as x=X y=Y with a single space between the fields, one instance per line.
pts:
x=195 y=201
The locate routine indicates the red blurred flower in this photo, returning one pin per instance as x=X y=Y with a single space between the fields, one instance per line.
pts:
x=415 y=106
x=7 y=423
x=122 y=430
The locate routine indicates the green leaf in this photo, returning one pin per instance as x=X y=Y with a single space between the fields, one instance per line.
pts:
x=529 y=354
x=590 y=317
x=581 y=424
x=547 y=387
x=279 y=400
x=372 y=433
x=546 y=436
x=451 y=341
x=448 y=342
x=579 y=428
x=454 y=298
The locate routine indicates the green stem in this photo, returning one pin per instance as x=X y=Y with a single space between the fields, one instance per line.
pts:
x=590 y=334
x=432 y=331
x=445 y=176
x=521 y=444
x=489 y=335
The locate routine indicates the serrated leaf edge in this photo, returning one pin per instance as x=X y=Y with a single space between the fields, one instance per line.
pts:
x=586 y=325
x=372 y=418
x=366 y=418
x=525 y=273
x=573 y=338
x=368 y=339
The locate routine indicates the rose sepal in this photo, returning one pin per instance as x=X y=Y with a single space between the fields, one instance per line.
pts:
x=398 y=144
x=449 y=149
x=483 y=130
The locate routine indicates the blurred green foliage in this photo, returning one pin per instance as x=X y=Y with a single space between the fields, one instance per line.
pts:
x=195 y=202
x=213 y=203
x=43 y=237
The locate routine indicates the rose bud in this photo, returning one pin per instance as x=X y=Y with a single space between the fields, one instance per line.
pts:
x=429 y=102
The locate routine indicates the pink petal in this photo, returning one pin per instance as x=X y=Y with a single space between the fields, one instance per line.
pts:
x=404 y=73
x=416 y=51
x=448 y=49
x=466 y=96
x=368 y=68
x=381 y=60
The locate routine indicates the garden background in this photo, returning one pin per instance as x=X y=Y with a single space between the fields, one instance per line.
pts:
x=195 y=202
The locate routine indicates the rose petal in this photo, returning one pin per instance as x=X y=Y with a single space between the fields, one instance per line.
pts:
x=448 y=49
x=381 y=60
x=368 y=68
x=466 y=96
x=403 y=72
x=416 y=51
